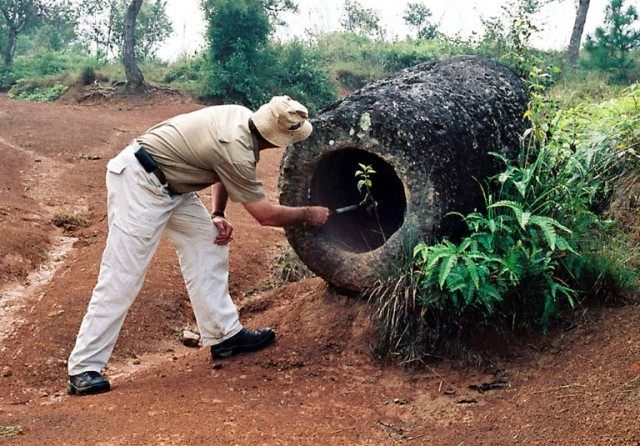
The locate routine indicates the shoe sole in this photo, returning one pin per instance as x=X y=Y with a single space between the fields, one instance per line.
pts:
x=101 y=388
x=232 y=351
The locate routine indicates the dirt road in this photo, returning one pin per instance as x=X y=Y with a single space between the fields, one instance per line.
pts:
x=317 y=385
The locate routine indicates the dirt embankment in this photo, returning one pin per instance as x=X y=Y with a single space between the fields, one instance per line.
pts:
x=317 y=385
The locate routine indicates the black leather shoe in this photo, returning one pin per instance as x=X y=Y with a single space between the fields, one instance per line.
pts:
x=245 y=340
x=87 y=383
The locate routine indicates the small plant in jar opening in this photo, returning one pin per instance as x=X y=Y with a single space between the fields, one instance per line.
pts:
x=364 y=184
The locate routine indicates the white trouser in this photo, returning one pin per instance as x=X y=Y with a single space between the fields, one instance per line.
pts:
x=139 y=210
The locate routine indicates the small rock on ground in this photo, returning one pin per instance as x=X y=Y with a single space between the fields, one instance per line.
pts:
x=190 y=339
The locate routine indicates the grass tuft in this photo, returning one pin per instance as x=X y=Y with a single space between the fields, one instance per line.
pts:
x=289 y=267
x=9 y=430
x=69 y=222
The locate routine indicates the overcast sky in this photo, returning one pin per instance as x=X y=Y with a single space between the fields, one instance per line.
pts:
x=454 y=16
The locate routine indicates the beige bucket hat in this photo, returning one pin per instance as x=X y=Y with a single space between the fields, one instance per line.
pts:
x=282 y=121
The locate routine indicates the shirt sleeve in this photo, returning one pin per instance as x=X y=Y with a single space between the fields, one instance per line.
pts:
x=241 y=182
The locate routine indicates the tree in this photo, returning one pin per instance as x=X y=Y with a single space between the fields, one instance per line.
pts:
x=243 y=66
x=417 y=16
x=235 y=26
x=55 y=30
x=96 y=29
x=522 y=24
x=610 y=45
x=17 y=14
x=239 y=58
x=135 y=80
x=360 y=20
x=153 y=27
x=102 y=27
x=275 y=8
x=573 y=51
x=52 y=30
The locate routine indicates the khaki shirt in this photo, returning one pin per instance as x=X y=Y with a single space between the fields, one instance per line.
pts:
x=214 y=144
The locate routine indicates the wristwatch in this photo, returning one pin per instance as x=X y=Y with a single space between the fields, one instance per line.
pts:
x=218 y=214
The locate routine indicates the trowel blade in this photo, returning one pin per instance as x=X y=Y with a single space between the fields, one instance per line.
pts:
x=347 y=209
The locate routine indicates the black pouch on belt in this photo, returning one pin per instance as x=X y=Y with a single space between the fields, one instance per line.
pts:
x=149 y=164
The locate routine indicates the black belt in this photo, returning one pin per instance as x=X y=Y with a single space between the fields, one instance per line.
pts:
x=150 y=166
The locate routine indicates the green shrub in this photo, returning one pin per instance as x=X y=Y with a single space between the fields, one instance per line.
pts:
x=7 y=78
x=238 y=80
x=540 y=245
x=244 y=67
x=355 y=59
x=609 y=130
x=46 y=91
x=608 y=271
x=350 y=57
x=87 y=75
x=41 y=66
x=46 y=64
x=301 y=75
x=240 y=60
x=185 y=71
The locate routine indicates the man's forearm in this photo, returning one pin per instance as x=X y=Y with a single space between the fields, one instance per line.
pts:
x=269 y=214
x=286 y=216
x=219 y=197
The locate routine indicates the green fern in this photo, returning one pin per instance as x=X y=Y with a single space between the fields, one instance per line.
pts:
x=534 y=249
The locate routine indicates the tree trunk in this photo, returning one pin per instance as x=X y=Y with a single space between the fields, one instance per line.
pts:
x=10 y=47
x=428 y=133
x=135 y=80
x=578 y=29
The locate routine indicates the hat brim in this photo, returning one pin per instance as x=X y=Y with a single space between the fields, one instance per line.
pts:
x=278 y=138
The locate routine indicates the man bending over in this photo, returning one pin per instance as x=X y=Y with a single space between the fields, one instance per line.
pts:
x=151 y=188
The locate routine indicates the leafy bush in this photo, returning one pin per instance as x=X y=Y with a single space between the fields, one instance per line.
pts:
x=87 y=75
x=302 y=75
x=356 y=58
x=540 y=245
x=237 y=80
x=38 y=67
x=244 y=67
x=608 y=131
x=27 y=90
x=290 y=69
x=504 y=251
x=7 y=78
x=188 y=70
x=352 y=57
x=73 y=66
x=240 y=61
x=45 y=64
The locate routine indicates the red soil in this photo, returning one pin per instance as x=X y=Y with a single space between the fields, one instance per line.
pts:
x=317 y=385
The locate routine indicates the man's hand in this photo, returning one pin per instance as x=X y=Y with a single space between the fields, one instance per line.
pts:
x=225 y=231
x=317 y=215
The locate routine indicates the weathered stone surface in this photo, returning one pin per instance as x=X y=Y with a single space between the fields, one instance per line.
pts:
x=427 y=132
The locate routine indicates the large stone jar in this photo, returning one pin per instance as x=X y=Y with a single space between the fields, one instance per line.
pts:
x=428 y=133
